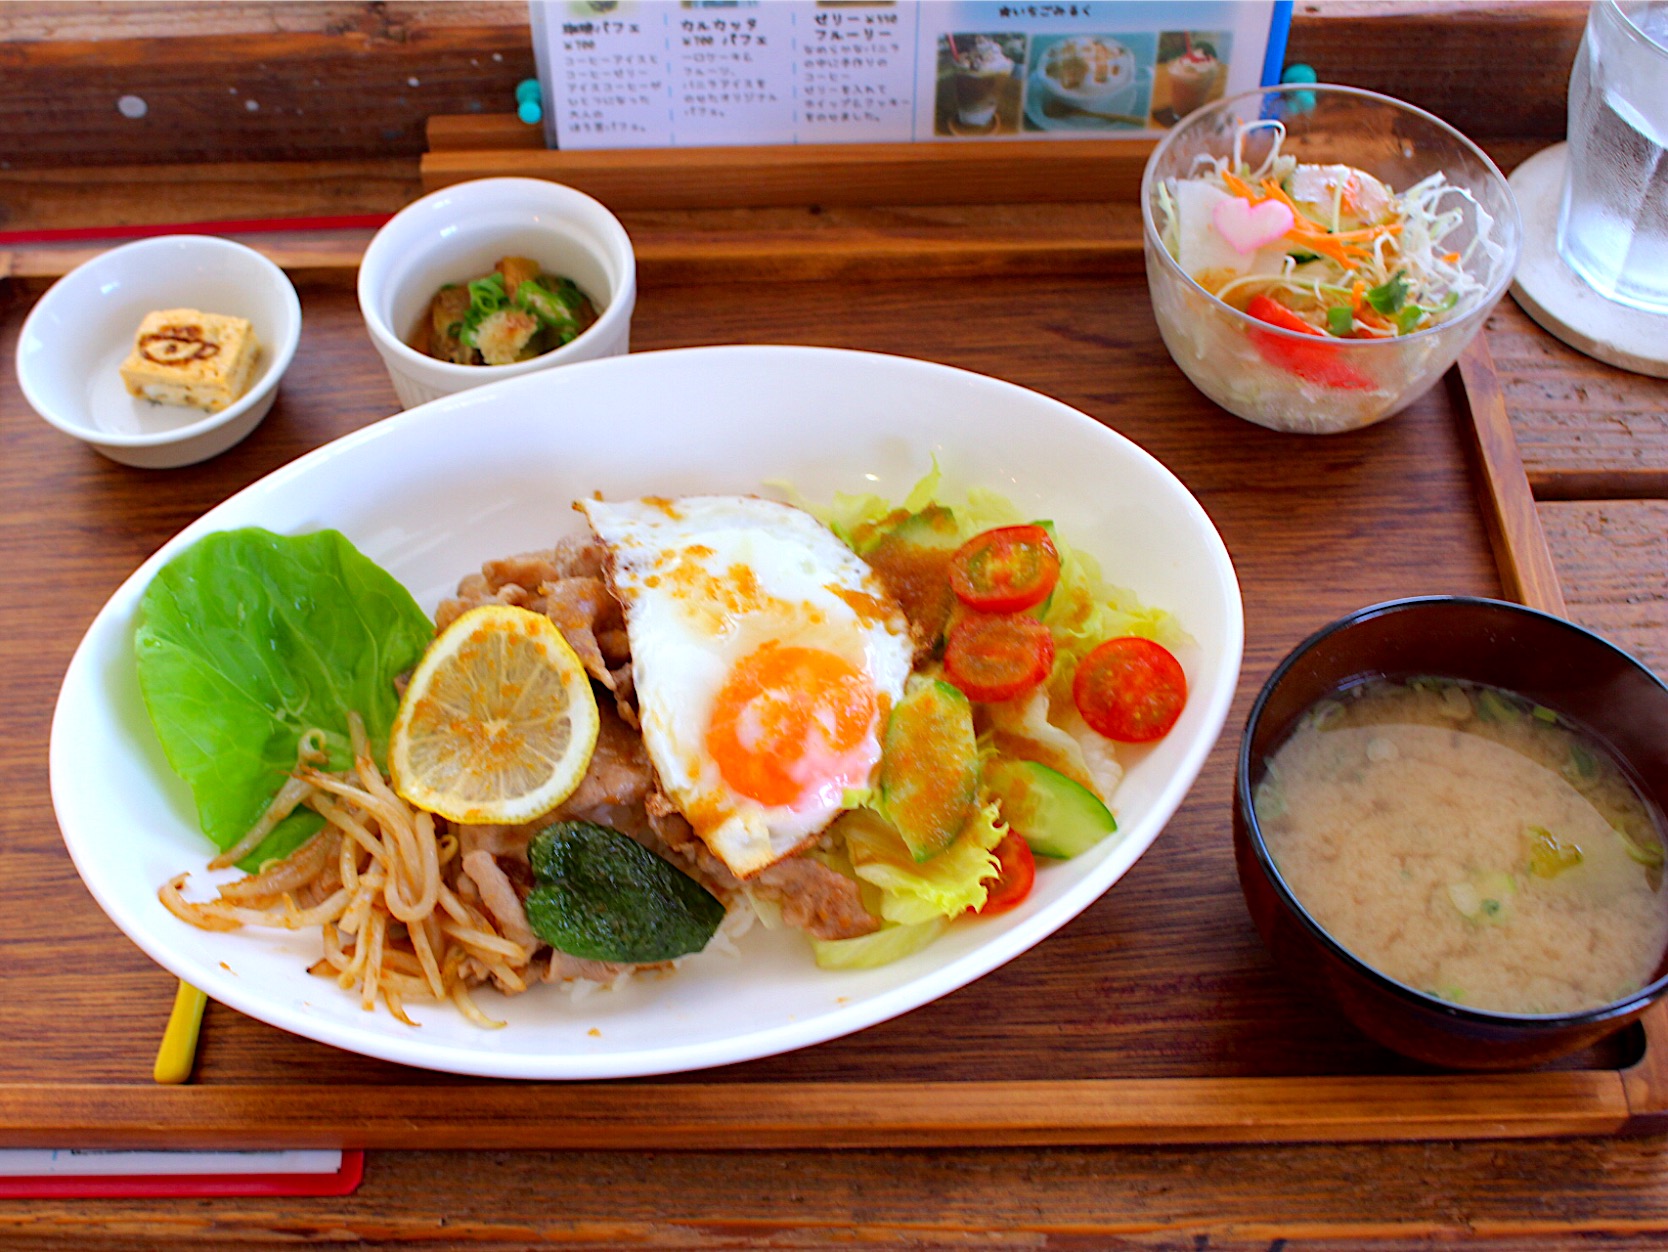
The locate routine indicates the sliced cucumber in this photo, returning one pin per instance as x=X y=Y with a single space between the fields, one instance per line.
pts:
x=934 y=527
x=1057 y=816
x=929 y=767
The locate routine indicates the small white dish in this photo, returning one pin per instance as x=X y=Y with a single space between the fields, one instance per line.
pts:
x=431 y=493
x=459 y=233
x=75 y=339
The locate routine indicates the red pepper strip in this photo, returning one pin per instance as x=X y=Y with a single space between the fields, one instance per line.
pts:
x=1315 y=363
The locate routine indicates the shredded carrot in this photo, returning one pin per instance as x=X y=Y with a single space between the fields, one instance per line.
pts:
x=1367 y=232
x=1328 y=245
x=1451 y=257
x=1276 y=192
x=1240 y=187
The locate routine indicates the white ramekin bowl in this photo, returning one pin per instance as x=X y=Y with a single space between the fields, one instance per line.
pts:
x=459 y=233
x=75 y=339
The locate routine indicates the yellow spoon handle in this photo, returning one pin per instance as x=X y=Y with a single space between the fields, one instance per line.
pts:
x=179 y=1041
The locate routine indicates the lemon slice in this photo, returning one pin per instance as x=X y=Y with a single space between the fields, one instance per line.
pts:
x=498 y=722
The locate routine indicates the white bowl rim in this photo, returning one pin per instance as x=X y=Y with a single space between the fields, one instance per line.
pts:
x=618 y=309
x=283 y=352
x=1483 y=307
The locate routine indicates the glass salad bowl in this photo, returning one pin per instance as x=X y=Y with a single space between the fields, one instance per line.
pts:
x=1410 y=268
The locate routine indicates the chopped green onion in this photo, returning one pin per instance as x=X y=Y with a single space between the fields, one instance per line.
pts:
x=1303 y=258
x=1493 y=707
x=486 y=297
x=1582 y=763
x=1650 y=854
x=1548 y=855
x=1544 y=714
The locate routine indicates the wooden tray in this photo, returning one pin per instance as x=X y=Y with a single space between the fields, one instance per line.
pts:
x=1155 y=1017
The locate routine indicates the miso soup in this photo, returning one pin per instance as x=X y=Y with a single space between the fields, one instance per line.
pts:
x=1469 y=844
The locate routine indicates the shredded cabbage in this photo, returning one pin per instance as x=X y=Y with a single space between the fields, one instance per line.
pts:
x=888 y=944
x=1378 y=275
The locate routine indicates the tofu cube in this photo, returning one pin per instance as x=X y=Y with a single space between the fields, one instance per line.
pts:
x=183 y=356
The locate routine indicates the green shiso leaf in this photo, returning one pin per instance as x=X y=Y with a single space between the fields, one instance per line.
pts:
x=603 y=896
x=245 y=641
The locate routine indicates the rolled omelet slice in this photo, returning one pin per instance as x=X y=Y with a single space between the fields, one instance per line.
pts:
x=183 y=356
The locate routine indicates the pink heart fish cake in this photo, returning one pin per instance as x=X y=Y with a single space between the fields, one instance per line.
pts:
x=1248 y=226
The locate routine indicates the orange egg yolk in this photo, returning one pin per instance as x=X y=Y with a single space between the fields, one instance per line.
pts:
x=784 y=718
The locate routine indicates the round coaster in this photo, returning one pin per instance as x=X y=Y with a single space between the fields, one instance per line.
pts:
x=1550 y=292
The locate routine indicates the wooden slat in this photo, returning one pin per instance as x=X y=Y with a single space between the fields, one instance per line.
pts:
x=481 y=132
x=143 y=195
x=360 y=90
x=1645 y=1084
x=778 y=245
x=1586 y=429
x=1499 y=69
x=819 y=1115
x=999 y=172
x=1526 y=568
x=1612 y=557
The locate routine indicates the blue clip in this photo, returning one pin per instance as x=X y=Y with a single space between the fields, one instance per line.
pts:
x=1301 y=101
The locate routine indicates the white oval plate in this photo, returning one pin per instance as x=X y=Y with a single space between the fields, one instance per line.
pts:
x=434 y=491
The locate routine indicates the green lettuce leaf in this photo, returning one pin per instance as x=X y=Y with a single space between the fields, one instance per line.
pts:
x=245 y=641
x=888 y=944
x=911 y=891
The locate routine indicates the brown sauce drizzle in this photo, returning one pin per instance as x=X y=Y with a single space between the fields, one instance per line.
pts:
x=183 y=344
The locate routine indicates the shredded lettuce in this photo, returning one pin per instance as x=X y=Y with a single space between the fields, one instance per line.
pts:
x=849 y=512
x=888 y=944
x=917 y=898
x=1086 y=610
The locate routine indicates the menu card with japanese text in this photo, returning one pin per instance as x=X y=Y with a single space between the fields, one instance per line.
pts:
x=699 y=73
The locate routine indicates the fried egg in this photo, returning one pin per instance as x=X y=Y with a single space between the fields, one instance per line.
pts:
x=766 y=657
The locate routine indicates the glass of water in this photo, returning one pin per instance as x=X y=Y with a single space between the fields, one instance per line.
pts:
x=1613 y=223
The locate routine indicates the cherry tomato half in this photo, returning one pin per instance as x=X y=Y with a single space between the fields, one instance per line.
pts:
x=1130 y=689
x=1013 y=883
x=994 y=657
x=1006 y=570
x=1321 y=364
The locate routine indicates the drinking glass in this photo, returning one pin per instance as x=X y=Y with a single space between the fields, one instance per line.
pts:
x=1613 y=221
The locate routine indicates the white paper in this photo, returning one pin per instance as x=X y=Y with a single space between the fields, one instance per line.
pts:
x=692 y=73
x=93 y=1162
